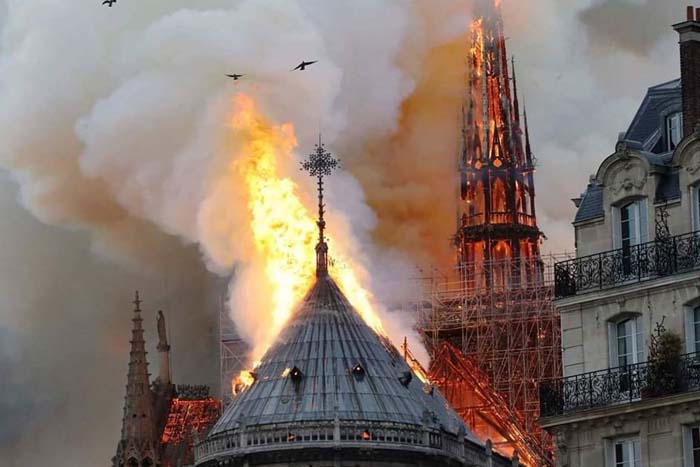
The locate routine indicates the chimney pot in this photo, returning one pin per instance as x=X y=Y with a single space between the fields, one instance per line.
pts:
x=691 y=14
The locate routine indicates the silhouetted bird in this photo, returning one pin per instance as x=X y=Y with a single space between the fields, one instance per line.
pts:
x=109 y=3
x=235 y=76
x=302 y=66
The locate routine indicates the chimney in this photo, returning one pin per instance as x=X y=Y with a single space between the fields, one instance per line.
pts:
x=689 y=32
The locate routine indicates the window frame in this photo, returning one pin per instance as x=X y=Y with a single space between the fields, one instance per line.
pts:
x=635 y=448
x=669 y=129
x=692 y=339
x=641 y=226
x=695 y=207
x=688 y=444
x=637 y=339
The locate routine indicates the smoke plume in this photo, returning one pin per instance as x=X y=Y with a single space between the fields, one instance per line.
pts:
x=115 y=132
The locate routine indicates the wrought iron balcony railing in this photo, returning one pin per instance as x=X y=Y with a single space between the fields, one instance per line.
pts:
x=627 y=384
x=637 y=263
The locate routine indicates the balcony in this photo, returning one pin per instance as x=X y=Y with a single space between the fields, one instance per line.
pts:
x=499 y=218
x=617 y=386
x=638 y=263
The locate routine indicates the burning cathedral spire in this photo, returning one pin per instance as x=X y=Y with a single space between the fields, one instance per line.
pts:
x=497 y=220
x=496 y=327
x=331 y=391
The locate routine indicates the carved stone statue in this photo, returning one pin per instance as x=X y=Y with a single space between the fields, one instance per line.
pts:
x=162 y=335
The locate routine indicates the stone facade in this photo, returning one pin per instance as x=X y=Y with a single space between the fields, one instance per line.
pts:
x=631 y=275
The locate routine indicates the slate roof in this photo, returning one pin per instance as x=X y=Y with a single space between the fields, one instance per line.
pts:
x=325 y=340
x=591 y=206
x=645 y=137
x=647 y=127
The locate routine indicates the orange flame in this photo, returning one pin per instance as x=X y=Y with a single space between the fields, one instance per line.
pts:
x=284 y=231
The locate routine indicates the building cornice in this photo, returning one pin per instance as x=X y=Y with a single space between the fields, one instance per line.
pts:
x=689 y=401
x=614 y=294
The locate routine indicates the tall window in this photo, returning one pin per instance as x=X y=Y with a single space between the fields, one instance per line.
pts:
x=629 y=218
x=696 y=330
x=629 y=230
x=695 y=207
x=674 y=130
x=627 y=453
x=691 y=446
x=692 y=329
x=626 y=342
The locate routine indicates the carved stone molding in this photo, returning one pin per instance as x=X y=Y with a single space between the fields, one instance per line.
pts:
x=627 y=177
x=692 y=165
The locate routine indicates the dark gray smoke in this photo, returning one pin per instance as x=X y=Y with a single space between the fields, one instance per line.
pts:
x=633 y=26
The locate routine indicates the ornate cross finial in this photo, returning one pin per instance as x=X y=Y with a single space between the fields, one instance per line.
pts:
x=320 y=163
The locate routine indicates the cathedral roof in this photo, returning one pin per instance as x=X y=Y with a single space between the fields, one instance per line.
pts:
x=345 y=370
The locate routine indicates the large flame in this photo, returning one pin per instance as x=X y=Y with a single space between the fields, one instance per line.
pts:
x=283 y=230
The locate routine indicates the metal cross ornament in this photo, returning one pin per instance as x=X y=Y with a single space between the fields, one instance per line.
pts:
x=320 y=163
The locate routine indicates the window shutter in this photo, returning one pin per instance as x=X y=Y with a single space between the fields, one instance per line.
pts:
x=616 y=228
x=639 y=336
x=689 y=330
x=694 y=208
x=643 y=224
x=612 y=344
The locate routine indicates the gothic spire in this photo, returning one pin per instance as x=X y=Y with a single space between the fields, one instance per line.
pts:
x=528 y=149
x=516 y=103
x=138 y=428
x=320 y=163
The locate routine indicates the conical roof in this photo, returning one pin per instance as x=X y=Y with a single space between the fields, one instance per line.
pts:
x=328 y=368
x=346 y=371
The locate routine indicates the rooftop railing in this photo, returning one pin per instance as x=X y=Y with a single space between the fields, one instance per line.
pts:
x=620 y=385
x=674 y=255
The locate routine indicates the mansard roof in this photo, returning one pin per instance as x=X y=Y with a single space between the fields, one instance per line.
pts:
x=647 y=127
x=644 y=138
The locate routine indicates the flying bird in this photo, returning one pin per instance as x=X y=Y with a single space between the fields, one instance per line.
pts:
x=109 y=3
x=302 y=66
x=235 y=76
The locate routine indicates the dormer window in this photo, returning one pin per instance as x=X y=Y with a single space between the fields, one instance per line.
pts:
x=674 y=130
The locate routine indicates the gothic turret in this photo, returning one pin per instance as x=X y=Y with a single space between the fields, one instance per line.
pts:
x=498 y=234
x=138 y=445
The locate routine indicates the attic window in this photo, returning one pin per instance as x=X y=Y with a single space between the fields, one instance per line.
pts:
x=674 y=130
x=358 y=371
x=406 y=378
x=295 y=375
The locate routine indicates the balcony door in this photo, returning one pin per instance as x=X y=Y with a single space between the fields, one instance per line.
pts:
x=629 y=230
x=626 y=350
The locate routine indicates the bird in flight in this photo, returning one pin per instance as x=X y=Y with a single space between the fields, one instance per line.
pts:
x=235 y=76
x=302 y=66
x=109 y=3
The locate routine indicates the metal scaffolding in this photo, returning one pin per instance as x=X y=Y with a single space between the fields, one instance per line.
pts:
x=510 y=332
x=232 y=352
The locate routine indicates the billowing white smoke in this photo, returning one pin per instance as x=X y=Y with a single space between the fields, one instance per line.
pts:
x=112 y=119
